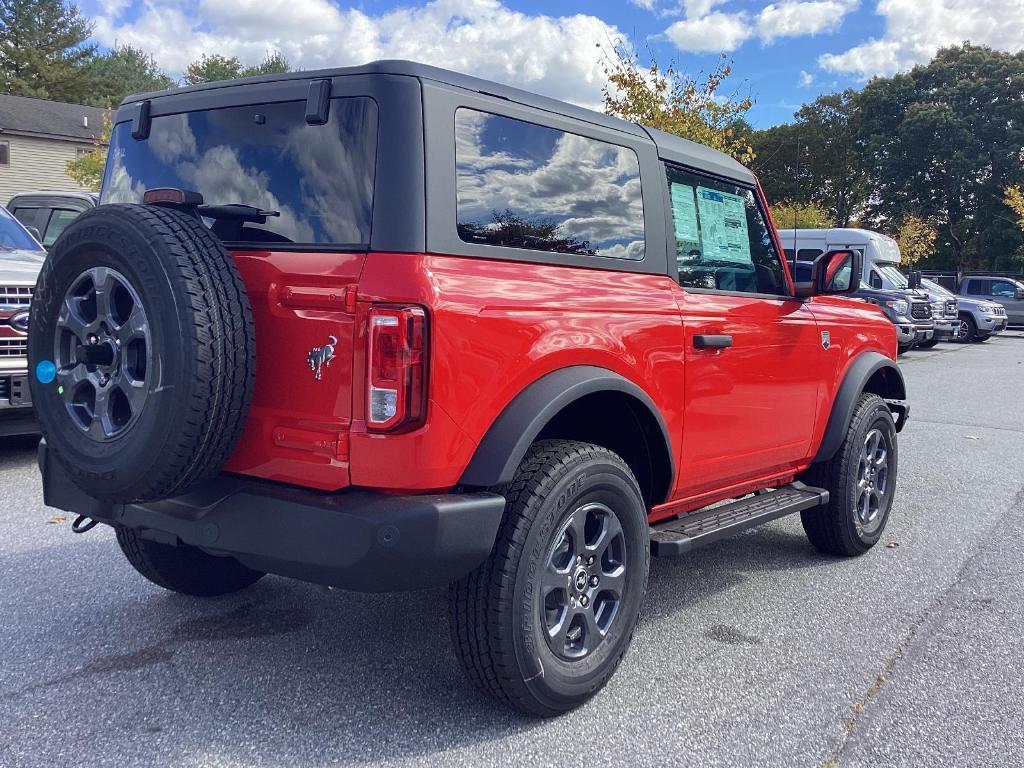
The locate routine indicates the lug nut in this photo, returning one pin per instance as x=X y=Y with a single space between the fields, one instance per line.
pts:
x=572 y=602
x=590 y=560
x=584 y=601
x=593 y=581
x=93 y=340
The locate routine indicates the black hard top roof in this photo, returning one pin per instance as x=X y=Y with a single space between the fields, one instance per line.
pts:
x=670 y=147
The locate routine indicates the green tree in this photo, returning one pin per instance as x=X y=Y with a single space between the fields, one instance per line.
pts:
x=123 y=71
x=672 y=101
x=209 y=68
x=88 y=169
x=817 y=158
x=916 y=238
x=789 y=214
x=943 y=141
x=43 y=49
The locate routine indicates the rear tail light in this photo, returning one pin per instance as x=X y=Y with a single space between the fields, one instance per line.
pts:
x=396 y=397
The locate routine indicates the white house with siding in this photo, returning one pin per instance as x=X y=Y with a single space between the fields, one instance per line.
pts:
x=38 y=138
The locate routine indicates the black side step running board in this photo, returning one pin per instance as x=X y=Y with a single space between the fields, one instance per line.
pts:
x=681 y=534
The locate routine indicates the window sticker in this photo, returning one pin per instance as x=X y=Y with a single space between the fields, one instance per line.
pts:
x=684 y=213
x=723 y=224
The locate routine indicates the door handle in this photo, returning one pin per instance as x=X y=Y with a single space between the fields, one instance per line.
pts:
x=712 y=341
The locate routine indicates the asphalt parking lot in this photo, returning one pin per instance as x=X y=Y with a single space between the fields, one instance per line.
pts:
x=754 y=651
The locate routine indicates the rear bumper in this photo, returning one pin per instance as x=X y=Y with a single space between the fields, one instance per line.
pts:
x=359 y=540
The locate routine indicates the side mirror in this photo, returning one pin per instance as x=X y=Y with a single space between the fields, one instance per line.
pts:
x=35 y=233
x=833 y=273
x=914 y=279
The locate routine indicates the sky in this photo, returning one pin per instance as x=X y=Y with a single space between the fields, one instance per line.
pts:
x=786 y=52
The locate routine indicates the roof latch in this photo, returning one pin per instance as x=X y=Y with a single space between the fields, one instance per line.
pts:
x=318 y=102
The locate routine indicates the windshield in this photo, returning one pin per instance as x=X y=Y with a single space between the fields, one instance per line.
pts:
x=315 y=182
x=893 y=275
x=932 y=287
x=15 y=237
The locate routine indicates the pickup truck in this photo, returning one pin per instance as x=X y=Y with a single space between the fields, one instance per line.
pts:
x=21 y=258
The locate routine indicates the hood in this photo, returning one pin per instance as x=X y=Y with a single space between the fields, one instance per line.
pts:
x=20 y=266
x=965 y=302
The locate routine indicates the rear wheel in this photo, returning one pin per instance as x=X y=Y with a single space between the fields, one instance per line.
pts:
x=183 y=568
x=861 y=481
x=544 y=622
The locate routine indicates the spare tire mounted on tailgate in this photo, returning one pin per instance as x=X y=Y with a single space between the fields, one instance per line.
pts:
x=142 y=352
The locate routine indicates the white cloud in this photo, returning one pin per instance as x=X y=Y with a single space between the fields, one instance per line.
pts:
x=708 y=29
x=916 y=29
x=714 y=32
x=697 y=8
x=793 y=18
x=557 y=56
x=806 y=78
x=647 y=5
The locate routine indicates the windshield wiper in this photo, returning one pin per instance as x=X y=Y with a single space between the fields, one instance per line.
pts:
x=236 y=211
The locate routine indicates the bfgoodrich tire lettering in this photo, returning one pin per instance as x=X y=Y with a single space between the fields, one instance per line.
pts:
x=497 y=613
x=200 y=368
x=861 y=480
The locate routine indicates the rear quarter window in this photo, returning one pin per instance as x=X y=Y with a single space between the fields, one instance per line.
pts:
x=522 y=185
x=318 y=178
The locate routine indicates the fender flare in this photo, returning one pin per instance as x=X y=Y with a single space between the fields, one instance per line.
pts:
x=510 y=435
x=855 y=380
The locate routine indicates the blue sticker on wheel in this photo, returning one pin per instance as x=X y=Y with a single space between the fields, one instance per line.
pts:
x=46 y=371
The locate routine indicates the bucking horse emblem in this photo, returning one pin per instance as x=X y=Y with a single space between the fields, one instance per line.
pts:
x=321 y=356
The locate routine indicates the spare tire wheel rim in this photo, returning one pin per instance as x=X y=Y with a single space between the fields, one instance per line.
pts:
x=103 y=353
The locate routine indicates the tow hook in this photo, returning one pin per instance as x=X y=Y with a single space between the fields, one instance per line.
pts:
x=83 y=524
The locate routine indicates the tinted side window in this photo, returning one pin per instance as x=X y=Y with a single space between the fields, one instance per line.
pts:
x=28 y=216
x=808 y=254
x=1004 y=289
x=522 y=185
x=59 y=220
x=317 y=180
x=722 y=239
x=875 y=279
x=979 y=288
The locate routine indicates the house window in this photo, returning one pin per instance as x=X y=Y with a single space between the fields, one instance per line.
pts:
x=81 y=152
x=5 y=153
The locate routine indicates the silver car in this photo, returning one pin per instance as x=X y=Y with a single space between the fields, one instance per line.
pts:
x=21 y=258
x=979 y=318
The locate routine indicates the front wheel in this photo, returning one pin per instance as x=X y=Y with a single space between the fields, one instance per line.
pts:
x=968 y=328
x=544 y=622
x=861 y=481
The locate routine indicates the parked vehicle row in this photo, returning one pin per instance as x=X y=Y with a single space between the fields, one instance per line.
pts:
x=923 y=311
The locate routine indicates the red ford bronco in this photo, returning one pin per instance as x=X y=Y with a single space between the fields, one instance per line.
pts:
x=391 y=327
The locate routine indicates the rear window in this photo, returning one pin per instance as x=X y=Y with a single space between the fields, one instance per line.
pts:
x=318 y=179
x=522 y=185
